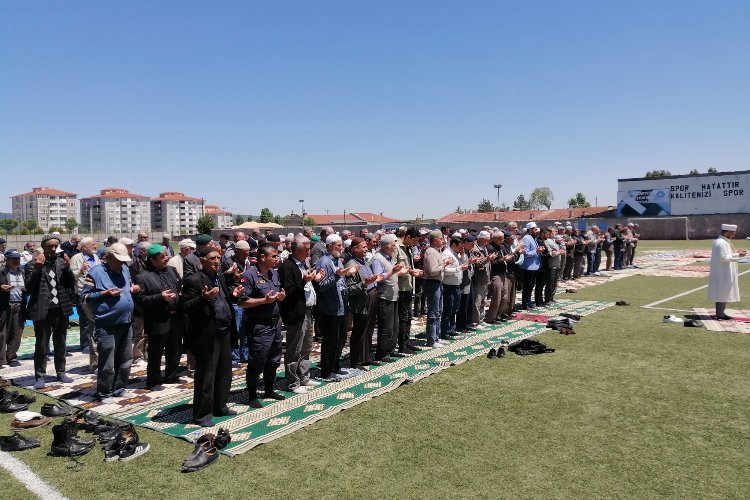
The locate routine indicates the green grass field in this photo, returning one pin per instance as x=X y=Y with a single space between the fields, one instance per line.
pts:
x=628 y=408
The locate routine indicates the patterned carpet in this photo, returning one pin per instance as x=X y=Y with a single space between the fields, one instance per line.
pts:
x=169 y=410
x=706 y=316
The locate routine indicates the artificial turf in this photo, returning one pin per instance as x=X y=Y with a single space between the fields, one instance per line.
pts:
x=629 y=407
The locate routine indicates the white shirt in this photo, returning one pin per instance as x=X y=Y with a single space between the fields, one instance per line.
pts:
x=723 y=281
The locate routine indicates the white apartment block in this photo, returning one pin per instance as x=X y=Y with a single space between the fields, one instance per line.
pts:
x=222 y=219
x=47 y=206
x=115 y=211
x=176 y=214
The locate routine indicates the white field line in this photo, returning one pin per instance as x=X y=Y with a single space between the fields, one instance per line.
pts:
x=26 y=476
x=651 y=305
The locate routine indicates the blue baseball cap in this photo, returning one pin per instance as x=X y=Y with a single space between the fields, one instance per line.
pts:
x=12 y=254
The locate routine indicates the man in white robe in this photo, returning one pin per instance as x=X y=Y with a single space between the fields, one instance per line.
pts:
x=723 y=281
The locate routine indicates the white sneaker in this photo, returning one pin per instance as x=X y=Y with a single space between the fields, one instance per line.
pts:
x=299 y=390
x=312 y=383
x=597 y=273
x=671 y=318
x=439 y=344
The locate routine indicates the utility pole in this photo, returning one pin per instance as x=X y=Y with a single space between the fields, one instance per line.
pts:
x=302 y=202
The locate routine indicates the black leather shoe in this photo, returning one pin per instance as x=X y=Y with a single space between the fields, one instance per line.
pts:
x=15 y=397
x=274 y=395
x=500 y=352
x=406 y=350
x=204 y=454
x=397 y=355
x=255 y=403
x=53 y=410
x=492 y=354
x=11 y=407
x=223 y=438
x=225 y=413
x=17 y=442
x=206 y=422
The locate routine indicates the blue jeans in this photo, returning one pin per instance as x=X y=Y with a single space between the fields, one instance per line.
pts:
x=114 y=344
x=618 y=258
x=451 y=302
x=242 y=352
x=433 y=293
x=590 y=260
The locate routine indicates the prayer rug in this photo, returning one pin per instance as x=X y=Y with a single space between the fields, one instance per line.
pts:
x=708 y=318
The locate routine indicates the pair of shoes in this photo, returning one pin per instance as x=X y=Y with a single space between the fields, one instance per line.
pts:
x=66 y=443
x=28 y=420
x=125 y=446
x=65 y=379
x=206 y=451
x=6 y=395
x=17 y=442
x=671 y=318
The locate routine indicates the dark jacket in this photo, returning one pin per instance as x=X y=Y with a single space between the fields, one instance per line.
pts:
x=156 y=312
x=5 y=298
x=292 y=308
x=201 y=327
x=38 y=288
x=356 y=292
x=191 y=265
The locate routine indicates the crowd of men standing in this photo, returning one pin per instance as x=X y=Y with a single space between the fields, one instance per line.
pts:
x=230 y=302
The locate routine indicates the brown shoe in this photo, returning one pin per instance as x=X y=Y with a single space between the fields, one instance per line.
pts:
x=17 y=425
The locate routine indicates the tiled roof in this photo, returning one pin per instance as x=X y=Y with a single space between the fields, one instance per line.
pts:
x=350 y=218
x=523 y=215
x=46 y=191
x=116 y=193
x=174 y=196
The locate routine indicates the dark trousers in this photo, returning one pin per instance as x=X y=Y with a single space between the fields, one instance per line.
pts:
x=569 y=264
x=299 y=341
x=419 y=297
x=597 y=260
x=10 y=333
x=463 y=316
x=529 y=280
x=213 y=377
x=451 y=301
x=542 y=282
x=577 y=265
x=56 y=327
x=357 y=342
x=113 y=343
x=618 y=258
x=433 y=292
x=264 y=343
x=168 y=345
x=387 y=327
x=590 y=260
x=404 y=317
x=333 y=330
x=551 y=288
x=83 y=323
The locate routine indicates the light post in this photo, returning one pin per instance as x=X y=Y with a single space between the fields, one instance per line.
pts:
x=302 y=202
x=498 y=186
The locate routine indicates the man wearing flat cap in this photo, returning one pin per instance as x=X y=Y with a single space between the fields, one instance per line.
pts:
x=48 y=280
x=12 y=308
x=723 y=281
x=192 y=263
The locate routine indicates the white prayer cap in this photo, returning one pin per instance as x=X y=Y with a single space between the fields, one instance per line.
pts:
x=557 y=223
x=388 y=239
x=126 y=241
x=456 y=235
x=348 y=243
x=332 y=238
x=531 y=225
x=241 y=245
x=462 y=231
x=729 y=227
x=187 y=243
x=484 y=234
x=290 y=236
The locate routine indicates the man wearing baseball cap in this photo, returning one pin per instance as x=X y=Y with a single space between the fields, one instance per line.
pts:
x=108 y=289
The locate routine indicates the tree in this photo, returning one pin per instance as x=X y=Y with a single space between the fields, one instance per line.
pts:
x=239 y=220
x=541 y=196
x=503 y=207
x=71 y=224
x=712 y=170
x=31 y=225
x=578 y=201
x=521 y=203
x=277 y=219
x=658 y=173
x=459 y=210
x=485 y=206
x=8 y=225
x=693 y=172
x=265 y=215
x=205 y=224
x=309 y=221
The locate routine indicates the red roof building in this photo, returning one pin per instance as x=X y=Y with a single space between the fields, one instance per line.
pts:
x=49 y=207
x=350 y=218
x=488 y=218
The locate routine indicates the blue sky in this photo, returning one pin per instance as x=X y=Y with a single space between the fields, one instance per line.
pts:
x=400 y=107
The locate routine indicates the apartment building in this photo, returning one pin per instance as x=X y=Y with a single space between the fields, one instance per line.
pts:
x=49 y=207
x=176 y=214
x=115 y=211
x=222 y=219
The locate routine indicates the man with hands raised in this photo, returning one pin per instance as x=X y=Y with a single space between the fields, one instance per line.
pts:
x=260 y=298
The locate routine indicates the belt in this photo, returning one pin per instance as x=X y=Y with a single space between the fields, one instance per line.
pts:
x=264 y=321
